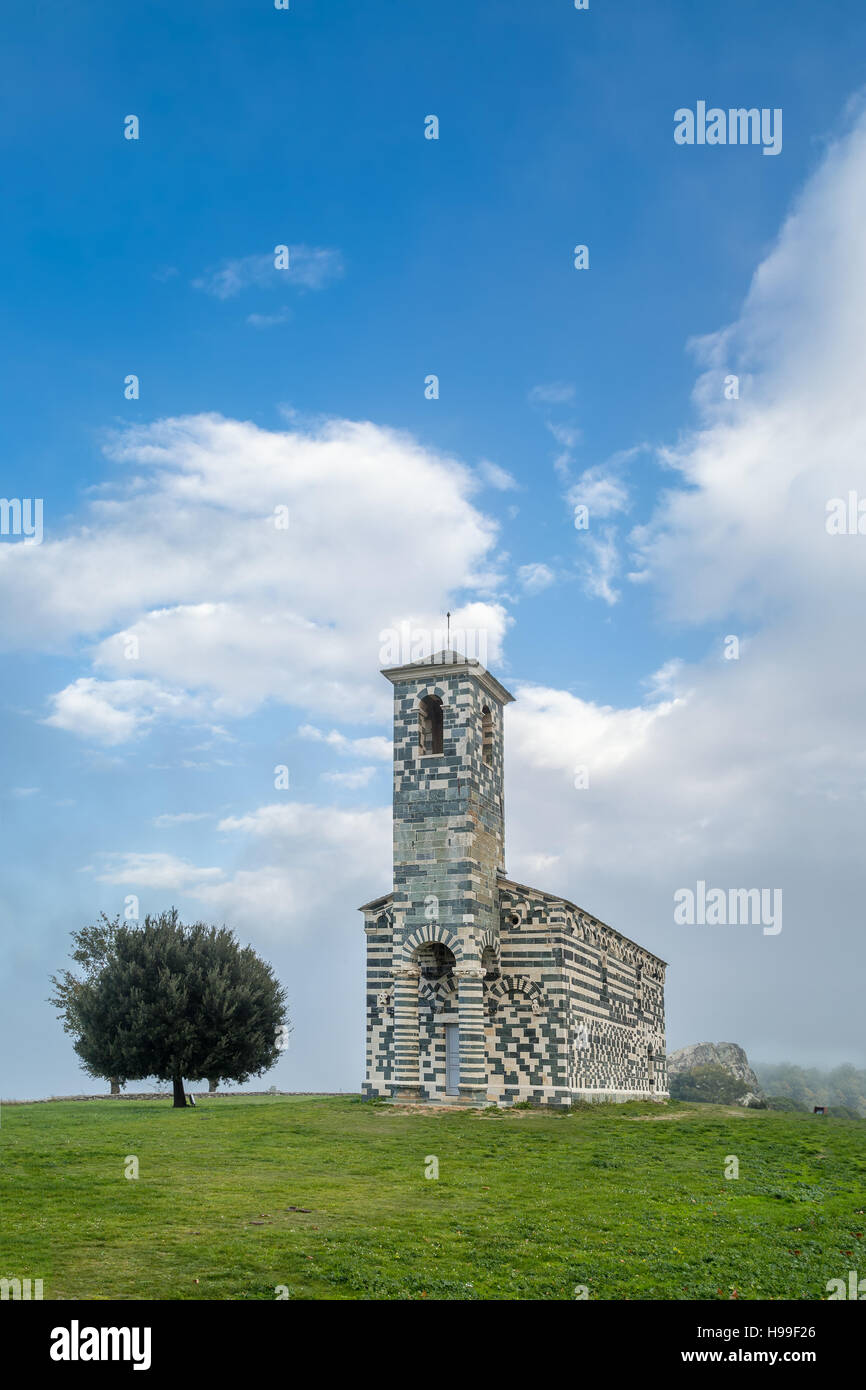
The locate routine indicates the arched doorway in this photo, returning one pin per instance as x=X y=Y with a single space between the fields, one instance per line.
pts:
x=438 y=1021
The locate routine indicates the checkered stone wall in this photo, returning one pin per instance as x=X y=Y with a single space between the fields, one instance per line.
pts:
x=609 y=991
x=379 y=926
x=551 y=1004
x=448 y=811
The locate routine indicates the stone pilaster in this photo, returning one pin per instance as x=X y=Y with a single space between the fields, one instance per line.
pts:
x=407 y=1085
x=473 y=1063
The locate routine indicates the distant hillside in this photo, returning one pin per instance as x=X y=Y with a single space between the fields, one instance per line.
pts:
x=845 y=1085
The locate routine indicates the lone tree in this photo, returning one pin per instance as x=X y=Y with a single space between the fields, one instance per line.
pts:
x=91 y=948
x=175 y=1001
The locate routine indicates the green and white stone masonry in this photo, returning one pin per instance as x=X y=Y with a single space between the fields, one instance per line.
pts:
x=479 y=989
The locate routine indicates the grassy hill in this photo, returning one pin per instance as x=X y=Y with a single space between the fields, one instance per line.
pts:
x=630 y=1201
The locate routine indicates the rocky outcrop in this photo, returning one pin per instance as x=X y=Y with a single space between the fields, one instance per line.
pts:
x=723 y=1054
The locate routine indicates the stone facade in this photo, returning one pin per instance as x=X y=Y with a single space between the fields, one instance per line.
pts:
x=480 y=989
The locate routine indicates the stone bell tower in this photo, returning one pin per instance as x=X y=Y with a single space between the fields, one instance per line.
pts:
x=449 y=842
x=449 y=826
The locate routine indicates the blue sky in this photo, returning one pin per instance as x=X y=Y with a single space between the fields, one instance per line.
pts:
x=261 y=127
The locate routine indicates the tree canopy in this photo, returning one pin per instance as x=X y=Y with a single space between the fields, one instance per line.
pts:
x=91 y=949
x=844 y=1085
x=175 y=1001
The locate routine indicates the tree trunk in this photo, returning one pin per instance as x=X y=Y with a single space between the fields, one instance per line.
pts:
x=213 y=1083
x=179 y=1094
x=115 y=1085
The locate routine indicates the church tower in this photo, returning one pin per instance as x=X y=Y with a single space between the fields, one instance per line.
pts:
x=449 y=827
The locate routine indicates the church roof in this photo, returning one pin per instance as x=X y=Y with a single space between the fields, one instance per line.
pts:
x=377 y=902
x=502 y=881
x=455 y=664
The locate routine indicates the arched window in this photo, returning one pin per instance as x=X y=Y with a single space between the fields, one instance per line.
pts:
x=487 y=734
x=490 y=964
x=430 y=725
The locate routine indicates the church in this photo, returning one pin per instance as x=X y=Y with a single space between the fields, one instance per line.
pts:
x=481 y=990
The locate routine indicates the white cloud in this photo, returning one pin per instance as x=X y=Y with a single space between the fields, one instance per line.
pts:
x=496 y=477
x=308 y=866
x=293 y=820
x=598 y=562
x=112 y=712
x=568 y=435
x=534 y=578
x=164 y=872
x=168 y=819
x=565 y=432
x=748 y=524
x=269 y=320
x=229 y=611
x=310 y=267
x=598 y=559
x=601 y=491
x=361 y=777
x=374 y=747
x=554 y=393
x=297 y=867
x=752 y=771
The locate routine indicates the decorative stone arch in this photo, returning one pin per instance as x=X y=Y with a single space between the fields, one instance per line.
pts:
x=488 y=939
x=428 y=994
x=491 y=964
x=439 y=995
x=431 y=931
x=516 y=984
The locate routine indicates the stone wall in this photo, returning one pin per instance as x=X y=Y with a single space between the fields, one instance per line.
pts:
x=605 y=995
x=572 y=1010
x=448 y=813
x=379 y=1073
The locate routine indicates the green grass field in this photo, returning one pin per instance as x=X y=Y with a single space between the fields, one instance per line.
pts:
x=628 y=1200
